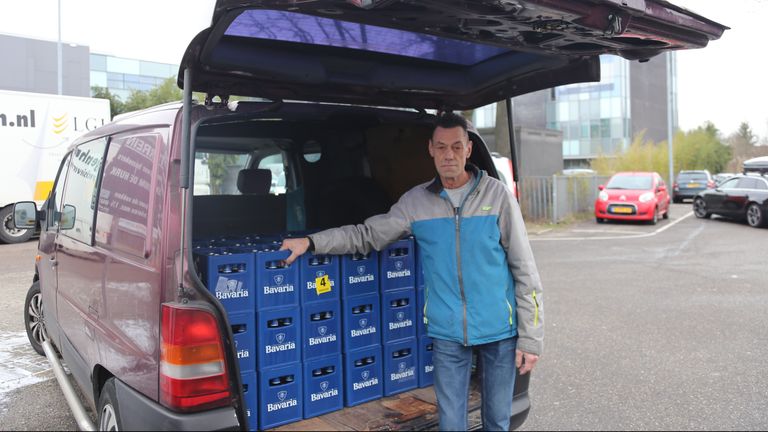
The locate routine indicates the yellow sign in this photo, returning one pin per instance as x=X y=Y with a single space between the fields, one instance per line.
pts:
x=322 y=285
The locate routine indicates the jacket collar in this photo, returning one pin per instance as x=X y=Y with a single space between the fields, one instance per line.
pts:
x=437 y=186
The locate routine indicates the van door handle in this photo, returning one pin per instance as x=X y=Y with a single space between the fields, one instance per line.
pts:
x=54 y=263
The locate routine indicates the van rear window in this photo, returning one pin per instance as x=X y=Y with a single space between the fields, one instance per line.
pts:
x=307 y=29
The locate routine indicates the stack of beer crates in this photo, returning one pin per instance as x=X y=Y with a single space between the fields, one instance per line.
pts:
x=323 y=333
x=398 y=317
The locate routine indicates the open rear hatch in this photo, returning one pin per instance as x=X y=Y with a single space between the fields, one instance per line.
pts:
x=441 y=54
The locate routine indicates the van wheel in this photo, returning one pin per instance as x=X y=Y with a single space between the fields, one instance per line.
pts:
x=109 y=414
x=8 y=233
x=34 y=318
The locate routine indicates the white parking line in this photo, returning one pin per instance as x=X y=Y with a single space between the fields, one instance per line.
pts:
x=658 y=231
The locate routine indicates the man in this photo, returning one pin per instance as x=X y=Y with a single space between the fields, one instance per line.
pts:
x=482 y=288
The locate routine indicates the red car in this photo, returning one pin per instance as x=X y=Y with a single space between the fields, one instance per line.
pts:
x=639 y=196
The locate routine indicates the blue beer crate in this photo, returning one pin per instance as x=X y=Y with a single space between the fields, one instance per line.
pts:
x=280 y=395
x=400 y=366
x=426 y=367
x=278 y=337
x=249 y=397
x=276 y=283
x=359 y=274
x=243 y=327
x=228 y=275
x=321 y=329
x=363 y=375
x=360 y=321
x=323 y=386
x=398 y=314
x=312 y=267
x=396 y=265
x=421 y=327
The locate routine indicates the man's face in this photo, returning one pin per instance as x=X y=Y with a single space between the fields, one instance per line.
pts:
x=450 y=148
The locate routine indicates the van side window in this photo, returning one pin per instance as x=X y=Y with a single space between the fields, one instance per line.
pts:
x=125 y=200
x=80 y=190
x=276 y=165
x=216 y=173
x=53 y=206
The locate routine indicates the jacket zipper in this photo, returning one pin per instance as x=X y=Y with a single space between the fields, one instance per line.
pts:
x=536 y=311
x=461 y=277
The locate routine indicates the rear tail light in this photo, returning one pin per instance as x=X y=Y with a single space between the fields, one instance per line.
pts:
x=675 y=186
x=193 y=372
x=710 y=184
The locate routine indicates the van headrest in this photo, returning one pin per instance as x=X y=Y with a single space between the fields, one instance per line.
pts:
x=254 y=181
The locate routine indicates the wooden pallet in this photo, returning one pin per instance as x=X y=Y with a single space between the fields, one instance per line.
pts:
x=412 y=410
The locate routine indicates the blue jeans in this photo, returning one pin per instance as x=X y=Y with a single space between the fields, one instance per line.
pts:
x=453 y=366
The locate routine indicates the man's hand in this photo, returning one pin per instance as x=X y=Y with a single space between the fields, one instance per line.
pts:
x=297 y=246
x=525 y=361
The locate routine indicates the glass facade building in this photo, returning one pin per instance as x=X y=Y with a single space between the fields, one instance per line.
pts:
x=122 y=75
x=594 y=118
x=599 y=118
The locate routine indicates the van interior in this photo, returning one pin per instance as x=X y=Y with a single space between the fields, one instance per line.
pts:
x=304 y=169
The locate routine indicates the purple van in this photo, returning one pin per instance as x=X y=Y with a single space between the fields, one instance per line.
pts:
x=118 y=291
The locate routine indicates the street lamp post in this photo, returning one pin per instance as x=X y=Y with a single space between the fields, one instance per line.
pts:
x=58 y=54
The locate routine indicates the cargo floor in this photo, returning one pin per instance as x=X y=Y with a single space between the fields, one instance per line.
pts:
x=411 y=410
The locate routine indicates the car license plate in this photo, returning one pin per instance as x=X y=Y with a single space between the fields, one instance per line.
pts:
x=621 y=210
x=693 y=185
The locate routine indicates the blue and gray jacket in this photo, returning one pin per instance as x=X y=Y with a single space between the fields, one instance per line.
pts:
x=481 y=281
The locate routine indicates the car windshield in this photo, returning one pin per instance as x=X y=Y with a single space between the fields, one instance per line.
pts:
x=629 y=182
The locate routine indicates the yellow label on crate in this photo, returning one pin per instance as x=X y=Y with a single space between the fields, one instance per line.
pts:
x=322 y=285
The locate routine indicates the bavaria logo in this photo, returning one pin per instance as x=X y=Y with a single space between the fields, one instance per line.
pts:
x=365 y=375
x=279 y=279
x=227 y=289
x=282 y=394
x=280 y=337
x=320 y=273
x=322 y=330
x=363 y=322
x=400 y=316
x=361 y=270
x=324 y=385
x=398 y=265
x=401 y=367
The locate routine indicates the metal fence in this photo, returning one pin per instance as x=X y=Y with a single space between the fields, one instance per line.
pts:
x=552 y=199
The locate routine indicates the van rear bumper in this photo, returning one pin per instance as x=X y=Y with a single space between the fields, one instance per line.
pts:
x=137 y=412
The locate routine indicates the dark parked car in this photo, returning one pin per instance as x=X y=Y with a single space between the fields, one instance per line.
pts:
x=343 y=95
x=743 y=197
x=689 y=183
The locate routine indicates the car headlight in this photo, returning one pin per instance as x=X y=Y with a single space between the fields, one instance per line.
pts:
x=603 y=195
x=644 y=198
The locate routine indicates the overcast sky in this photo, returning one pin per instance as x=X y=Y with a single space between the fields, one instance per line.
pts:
x=723 y=83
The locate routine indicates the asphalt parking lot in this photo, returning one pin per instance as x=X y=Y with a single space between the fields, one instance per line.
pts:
x=647 y=327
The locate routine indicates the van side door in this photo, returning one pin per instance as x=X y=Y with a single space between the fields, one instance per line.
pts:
x=80 y=268
x=129 y=234
x=47 y=265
